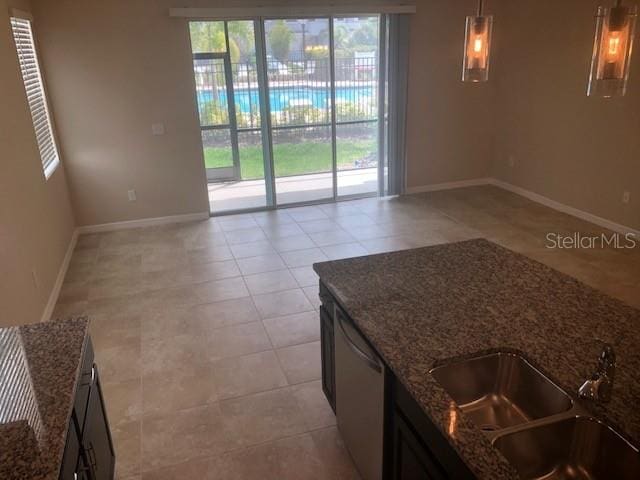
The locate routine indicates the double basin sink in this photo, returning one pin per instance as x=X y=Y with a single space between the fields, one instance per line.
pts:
x=536 y=426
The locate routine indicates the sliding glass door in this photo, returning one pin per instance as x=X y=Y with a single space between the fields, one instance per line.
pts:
x=357 y=78
x=291 y=109
x=228 y=99
x=299 y=84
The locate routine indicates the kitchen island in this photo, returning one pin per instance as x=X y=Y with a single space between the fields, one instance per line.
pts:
x=422 y=308
x=52 y=419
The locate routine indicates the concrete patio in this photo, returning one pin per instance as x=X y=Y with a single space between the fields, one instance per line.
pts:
x=247 y=194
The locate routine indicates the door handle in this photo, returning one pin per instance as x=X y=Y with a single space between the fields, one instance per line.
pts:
x=371 y=362
x=93 y=377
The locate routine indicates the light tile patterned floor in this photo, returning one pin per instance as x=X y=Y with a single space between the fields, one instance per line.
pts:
x=207 y=333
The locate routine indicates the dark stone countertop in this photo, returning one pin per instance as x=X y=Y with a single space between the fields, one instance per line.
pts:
x=39 y=368
x=424 y=307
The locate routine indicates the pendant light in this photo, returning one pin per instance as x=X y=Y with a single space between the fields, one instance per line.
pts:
x=477 y=47
x=612 y=47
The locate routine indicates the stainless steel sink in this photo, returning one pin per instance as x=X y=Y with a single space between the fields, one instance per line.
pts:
x=573 y=448
x=501 y=390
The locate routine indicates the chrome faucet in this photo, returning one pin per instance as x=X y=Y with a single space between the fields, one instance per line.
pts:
x=599 y=386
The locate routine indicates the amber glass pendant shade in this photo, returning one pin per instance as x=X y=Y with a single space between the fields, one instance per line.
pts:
x=477 y=47
x=612 y=47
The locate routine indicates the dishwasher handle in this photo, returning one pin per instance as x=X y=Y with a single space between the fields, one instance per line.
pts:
x=368 y=359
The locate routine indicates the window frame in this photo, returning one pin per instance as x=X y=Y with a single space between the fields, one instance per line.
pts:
x=49 y=168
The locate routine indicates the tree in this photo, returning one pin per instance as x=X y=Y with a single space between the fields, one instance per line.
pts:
x=241 y=36
x=280 y=38
x=209 y=37
x=366 y=36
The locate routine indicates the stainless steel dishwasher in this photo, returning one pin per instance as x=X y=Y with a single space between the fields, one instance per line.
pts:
x=359 y=376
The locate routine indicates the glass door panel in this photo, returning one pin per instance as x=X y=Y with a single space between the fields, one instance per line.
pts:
x=213 y=109
x=303 y=164
x=299 y=86
x=250 y=191
x=356 y=47
x=224 y=56
x=357 y=155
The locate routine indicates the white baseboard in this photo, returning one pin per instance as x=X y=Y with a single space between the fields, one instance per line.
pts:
x=144 y=222
x=561 y=207
x=62 y=272
x=536 y=197
x=449 y=185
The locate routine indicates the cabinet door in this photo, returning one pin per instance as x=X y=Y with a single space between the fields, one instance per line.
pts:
x=96 y=438
x=411 y=460
x=84 y=385
x=82 y=470
x=327 y=353
x=71 y=453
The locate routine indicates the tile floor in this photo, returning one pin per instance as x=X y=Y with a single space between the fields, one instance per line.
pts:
x=207 y=334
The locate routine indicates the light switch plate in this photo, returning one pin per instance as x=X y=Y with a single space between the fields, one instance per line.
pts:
x=157 y=128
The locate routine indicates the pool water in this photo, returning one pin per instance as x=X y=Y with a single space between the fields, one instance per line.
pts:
x=247 y=100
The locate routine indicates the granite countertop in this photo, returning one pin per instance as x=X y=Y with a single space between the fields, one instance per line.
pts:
x=425 y=307
x=39 y=368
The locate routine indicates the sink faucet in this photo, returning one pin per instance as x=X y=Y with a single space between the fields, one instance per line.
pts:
x=599 y=386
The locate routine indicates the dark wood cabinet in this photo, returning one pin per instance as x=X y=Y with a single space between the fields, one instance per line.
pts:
x=327 y=353
x=89 y=453
x=72 y=452
x=96 y=438
x=411 y=459
x=82 y=470
x=419 y=450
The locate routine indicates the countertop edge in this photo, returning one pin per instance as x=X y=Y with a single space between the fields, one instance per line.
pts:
x=83 y=351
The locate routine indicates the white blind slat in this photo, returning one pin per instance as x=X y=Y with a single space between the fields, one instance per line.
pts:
x=36 y=97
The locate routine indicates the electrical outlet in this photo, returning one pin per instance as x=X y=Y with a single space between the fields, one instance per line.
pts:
x=157 y=128
x=626 y=197
x=132 y=195
x=512 y=161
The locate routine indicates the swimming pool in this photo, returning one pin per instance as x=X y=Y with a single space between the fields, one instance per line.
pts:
x=247 y=100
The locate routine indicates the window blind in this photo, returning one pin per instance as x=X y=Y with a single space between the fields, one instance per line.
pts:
x=36 y=97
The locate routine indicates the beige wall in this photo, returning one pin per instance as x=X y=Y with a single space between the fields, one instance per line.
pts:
x=583 y=152
x=450 y=123
x=119 y=66
x=114 y=68
x=36 y=220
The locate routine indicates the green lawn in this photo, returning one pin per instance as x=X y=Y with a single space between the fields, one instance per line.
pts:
x=291 y=158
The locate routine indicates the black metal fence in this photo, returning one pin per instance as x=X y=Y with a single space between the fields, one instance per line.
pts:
x=299 y=92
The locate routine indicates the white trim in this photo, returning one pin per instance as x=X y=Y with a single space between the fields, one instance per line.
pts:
x=62 y=272
x=288 y=11
x=561 y=207
x=449 y=185
x=535 y=197
x=144 y=222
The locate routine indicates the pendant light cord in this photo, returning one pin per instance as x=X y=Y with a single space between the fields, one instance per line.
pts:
x=480 y=7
